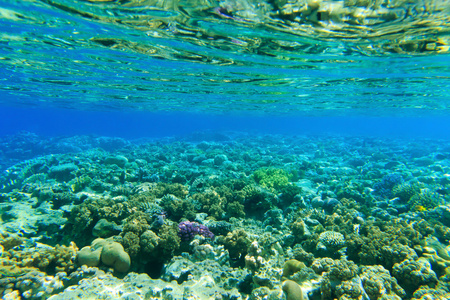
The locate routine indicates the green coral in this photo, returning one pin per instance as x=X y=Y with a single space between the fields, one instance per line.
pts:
x=131 y=243
x=385 y=243
x=349 y=289
x=169 y=241
x=212 y=203
x=411 y=274
x=426 y=199
x=149 y=242
x=299 y=229
x=257 y=200
x=291 y=267
x=288 y=193
x=424 y=292
x=79 y=183
x=235 y=209
x=83 y=217
x=339 y=279
x=236 y=242
x=176 y=189
x=178 y=208
x=343 y=270
x=137 y=223
x=378 y=283
x=442 y=233
x=300 y=254
x=417 y=196
x=219 y=199
x=271 y=178
x=406 y=190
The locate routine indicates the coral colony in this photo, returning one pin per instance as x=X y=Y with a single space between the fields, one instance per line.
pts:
x=188 y=230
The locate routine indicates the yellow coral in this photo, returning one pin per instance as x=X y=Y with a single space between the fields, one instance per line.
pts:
x=291 y=267
x=420 y=208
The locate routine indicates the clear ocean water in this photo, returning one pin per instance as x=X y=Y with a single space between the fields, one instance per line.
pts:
x=138 y=66
x=297 y=78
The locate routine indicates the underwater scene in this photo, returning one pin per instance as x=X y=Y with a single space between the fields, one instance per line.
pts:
x=225 y=149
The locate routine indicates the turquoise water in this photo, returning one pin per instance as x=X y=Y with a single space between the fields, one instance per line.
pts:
x=224 y=57
x=234 y=149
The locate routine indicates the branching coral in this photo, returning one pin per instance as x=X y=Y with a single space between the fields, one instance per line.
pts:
x=236 y=242
x=271 y=178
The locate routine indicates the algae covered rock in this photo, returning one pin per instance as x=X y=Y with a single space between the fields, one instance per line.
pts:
x=33 y=285
x=104 y=228
x=118 y=160
x=140 y=286
x=63 y=172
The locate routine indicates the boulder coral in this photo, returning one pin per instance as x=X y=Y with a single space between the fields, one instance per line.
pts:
x=293 y=290
x=106 y=251
x=89 y=256
x=113 y=255
x=291 y=267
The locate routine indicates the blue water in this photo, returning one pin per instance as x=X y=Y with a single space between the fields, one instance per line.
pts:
x=130 y=125
x=73 y=60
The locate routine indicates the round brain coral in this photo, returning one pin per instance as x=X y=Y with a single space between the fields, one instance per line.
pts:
x=109 y=252
x=115 y=256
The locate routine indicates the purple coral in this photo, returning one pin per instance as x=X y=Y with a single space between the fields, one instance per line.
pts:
x=188 y=230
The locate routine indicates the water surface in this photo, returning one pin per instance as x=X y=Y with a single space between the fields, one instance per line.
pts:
x=310 y=58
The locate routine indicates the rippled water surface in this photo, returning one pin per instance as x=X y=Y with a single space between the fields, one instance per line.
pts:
x=313 y=57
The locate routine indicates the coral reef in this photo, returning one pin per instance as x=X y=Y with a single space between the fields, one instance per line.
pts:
x=241 y=218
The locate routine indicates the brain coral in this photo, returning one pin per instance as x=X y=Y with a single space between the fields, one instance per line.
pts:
x=108 y=252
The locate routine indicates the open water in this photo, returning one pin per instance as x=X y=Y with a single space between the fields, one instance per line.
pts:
x=138 y=101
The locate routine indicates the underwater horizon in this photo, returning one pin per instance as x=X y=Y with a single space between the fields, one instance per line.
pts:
x=225 y=149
